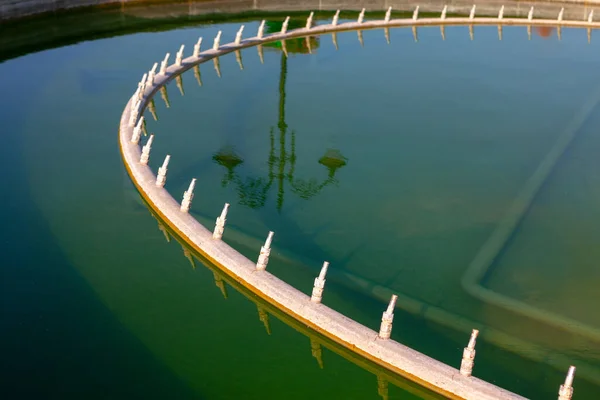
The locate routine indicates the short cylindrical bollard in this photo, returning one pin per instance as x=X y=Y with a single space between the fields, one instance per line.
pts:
x=179 y=56
x=416 y=14
x=161 y=177
x=444 y=11
x=220 y=224
x=137 y=131
x=566 y=391
x=197 y=47
x=530 y=14
x=188 y=195
x=152 y=74
x=361 y=16
x=261 y=29
x=336 y=17
x=309 y=20
x=134 y=112
x=317 y=292
x=238 y=36
x=472 y=14
x=501 y=13
x=466 y=365
x=385 y=331
x=388 y=15
x=284 y=27
x=265 y=251
x=217 y=41
x=143 y=83
x=146 y=151
x=164 y=64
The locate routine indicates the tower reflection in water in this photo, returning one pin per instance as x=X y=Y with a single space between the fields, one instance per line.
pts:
x=253 y=191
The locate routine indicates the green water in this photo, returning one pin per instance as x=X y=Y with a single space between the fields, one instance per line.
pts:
x=392 y=162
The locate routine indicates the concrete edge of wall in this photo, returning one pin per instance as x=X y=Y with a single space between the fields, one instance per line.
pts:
x=387 y=353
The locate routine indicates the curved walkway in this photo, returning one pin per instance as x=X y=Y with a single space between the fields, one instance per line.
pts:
x=392 y=355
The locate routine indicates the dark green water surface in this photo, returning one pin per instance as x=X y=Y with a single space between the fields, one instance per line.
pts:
x=394 y=162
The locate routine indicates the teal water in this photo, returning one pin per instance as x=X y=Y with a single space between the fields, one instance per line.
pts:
x=393 y=162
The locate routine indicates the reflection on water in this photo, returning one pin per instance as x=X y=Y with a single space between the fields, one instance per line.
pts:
x=316 y=343
x=440 y=134
x=252 y=191
x=407 y=216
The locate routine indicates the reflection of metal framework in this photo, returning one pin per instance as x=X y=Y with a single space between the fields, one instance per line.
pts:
x=253 y=191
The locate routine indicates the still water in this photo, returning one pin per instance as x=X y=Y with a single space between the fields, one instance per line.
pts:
x=394 y=162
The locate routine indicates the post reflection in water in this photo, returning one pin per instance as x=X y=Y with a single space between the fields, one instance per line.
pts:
x=383 y=377
x=253 y=191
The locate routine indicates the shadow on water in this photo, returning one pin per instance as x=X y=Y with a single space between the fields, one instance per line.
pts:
x=57 y=337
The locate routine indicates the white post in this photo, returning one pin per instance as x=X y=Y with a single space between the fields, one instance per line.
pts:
x=152 y=74
x=591 y=17
x=530 y=15
x=137 y=131
x=309 y=20
x=163 y=64
x=261 y=30
x=265 y=251
x=336 y=17
x=501 y=13
x=146 y=151
x=560 y=14
x=220 y=224
x=472 y=14
x=142 y=86
x=317 y=292
x=216 y=41
x=466 y=366
x=238 y=36
x=188 y=195
x=197 y=47
x=566 y=391
x=416 y=14
x=361 y=16
x=285 y=25
x=385 y=331
x=388 y=15
x=179 y=56
x=444 y=11
x=135 y=110
x=162 y=172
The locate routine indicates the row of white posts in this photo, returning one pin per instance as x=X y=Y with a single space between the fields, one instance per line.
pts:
x=136 y=121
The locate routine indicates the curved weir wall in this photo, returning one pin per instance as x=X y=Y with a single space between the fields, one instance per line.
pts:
x=376 y=347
